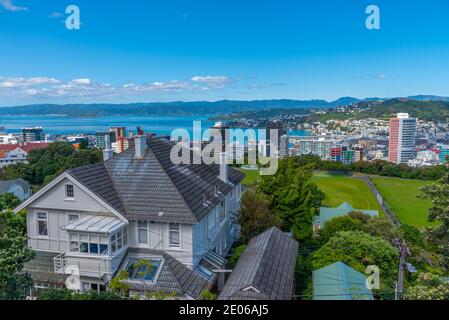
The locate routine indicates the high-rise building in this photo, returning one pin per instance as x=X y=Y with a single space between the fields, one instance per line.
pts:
x=119 y=145
x=119 y=131
x=358 y=152
x=336 y=153
x=316 y=146
x=100 y=139
x=402 y=139
x=283 y=151
x=443 y=154
x=274 y=125
x=33 y=134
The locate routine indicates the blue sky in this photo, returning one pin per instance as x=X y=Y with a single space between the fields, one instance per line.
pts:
x=144 y=50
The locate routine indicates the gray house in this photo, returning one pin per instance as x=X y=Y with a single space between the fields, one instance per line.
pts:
x=265 y=270
x=93 y=221
x=18 y=187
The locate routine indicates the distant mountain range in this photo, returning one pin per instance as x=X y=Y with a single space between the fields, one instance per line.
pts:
x=180 y=108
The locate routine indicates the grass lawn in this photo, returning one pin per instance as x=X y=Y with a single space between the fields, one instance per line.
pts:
x=251 y=176
x=341 y=188
x=401 y=197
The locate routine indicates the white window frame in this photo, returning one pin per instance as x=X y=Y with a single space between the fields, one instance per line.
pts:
x=147 y=244
x=170 y=245
x=67 y=197
x=37 y=224
x=72 y=214
x=89 y=235
x=121 y=239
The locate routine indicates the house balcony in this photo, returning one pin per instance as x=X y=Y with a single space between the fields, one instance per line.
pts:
x=92 y=267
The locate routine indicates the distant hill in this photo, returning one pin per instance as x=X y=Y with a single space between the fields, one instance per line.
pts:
x=171 y=108
x=158 y=109
x=426 y=109
x=180 y=108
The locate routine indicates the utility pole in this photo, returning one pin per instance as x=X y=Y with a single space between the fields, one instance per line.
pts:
x=403 y=251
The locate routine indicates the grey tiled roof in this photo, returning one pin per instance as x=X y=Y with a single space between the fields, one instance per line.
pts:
x=173 y=277
x=268 y=265
x=96 y=178
x=153 y=188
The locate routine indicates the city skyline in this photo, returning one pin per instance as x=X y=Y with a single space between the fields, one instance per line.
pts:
x=148 y=51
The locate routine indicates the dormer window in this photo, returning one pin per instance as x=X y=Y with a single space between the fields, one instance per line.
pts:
x=69 y=191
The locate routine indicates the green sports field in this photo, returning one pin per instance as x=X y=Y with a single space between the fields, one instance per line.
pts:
x=401 y=197
x=341 y=188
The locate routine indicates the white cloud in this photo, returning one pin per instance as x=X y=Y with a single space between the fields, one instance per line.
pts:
x=265 y=86
x=48 y=87
x=26 y=82
x=86 y=82
x=382 y=76
x=8 y=5
x=211 y=79
x=55 y=15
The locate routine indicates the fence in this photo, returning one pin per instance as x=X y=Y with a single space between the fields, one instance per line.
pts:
x=388 y=212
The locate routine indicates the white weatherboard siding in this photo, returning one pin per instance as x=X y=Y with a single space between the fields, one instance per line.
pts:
x=55 y=199
x=158 y=234
x=54 y=203
x=57 y=239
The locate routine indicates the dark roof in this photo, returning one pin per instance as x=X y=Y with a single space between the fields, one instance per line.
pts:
x=174 y=276
x=153 y=188
x=96 y=178
x=267 y=265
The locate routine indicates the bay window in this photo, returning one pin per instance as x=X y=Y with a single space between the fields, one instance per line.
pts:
x=90 y=244
x=119 y=240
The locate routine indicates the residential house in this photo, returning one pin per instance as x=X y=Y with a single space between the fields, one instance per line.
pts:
x=345 y=208
x=340 y=282
x=98 y=219
x=18 y=187
x=265 y=270
x=17 y=153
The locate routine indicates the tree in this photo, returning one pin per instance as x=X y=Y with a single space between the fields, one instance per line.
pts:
x=339 y=224
x=298 y=206
x=8 y=201
x=14 y=253
x=428 y=287
x=45 y=164
x=293 y=197
x=235 y=256
x=118 y=284
x=359 y=250
x=438 y=194
x=65 y=294
x=207 y=295
x=255 y=215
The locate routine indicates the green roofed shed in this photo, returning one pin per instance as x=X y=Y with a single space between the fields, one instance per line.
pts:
x=340 y=282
